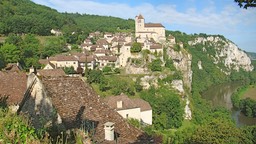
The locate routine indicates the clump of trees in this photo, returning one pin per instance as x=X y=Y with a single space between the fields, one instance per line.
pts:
x=136 y=47
x=27 y=50
x=156 y=65
x=167 y=107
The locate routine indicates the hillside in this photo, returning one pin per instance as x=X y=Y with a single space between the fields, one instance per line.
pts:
x=92 y=23
x=24 y=16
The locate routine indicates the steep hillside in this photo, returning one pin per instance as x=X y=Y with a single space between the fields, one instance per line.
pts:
x=92 y=23
x=24 y=16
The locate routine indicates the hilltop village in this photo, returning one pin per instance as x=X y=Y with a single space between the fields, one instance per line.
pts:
x=67 y=100
x=112 y=49
x=120 y=87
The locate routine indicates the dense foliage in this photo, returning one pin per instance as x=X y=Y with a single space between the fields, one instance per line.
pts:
x=167 y=107
x=16 y=129
x=248 y=107
x=28 y=49
x=24 y=16
x=136 y=47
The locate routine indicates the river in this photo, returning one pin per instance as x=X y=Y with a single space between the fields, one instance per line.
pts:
x=220 y=95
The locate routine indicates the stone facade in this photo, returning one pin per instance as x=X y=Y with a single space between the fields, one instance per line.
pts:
x=144 y=31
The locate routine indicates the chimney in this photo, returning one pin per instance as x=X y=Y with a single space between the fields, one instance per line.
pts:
x=109 y=131
x=119 y=104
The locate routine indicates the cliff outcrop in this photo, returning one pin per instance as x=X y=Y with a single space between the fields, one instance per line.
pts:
x=225 y=52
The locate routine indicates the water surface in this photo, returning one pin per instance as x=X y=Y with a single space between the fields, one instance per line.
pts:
x=220 y=95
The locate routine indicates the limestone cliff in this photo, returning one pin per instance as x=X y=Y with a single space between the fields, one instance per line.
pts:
x=223 y=51
x=182 y=62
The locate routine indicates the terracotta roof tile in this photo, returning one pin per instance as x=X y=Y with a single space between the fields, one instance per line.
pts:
x=153 y=25
x=108 y=58
x=72 y=97
x=140 y=17
x=156 y=46
x=127 y=103
x=51 y=73
x=63 y=58
x=144 y=105
x=13 y=84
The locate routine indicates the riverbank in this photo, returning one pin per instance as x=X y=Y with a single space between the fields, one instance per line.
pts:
x=220 y=96
x=249 y=93
x=244 y=99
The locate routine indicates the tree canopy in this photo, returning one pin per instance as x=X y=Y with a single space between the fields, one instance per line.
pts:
x=246 y=3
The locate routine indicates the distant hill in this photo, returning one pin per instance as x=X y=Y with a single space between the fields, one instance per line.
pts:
x=92 y=23
x=252 y=55
x=24 y=16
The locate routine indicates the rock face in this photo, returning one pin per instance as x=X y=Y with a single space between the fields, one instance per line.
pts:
x=178 y=85
x=226 y=52
x=182 y=61
x=199 y=64
x=188 y=112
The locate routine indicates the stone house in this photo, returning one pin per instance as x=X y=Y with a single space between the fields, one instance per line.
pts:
x=12 y=88
x=156 y=48
x=131 y=108
x=49 y=65
x=69 y=103
x=107 y=61
x=103 y=43
x=125 y=53
x=61 y=61
x=90 y=60
x=86 y=46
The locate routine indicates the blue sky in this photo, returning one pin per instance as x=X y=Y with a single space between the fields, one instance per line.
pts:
x=190 y=16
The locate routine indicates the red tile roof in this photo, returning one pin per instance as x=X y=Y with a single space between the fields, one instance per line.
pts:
x=127 y=103
x=153 y=25
x=51 y=72
x=140 y=17
x=13 y=84
x=108 y=58
x=156 y=46
x=72 y=97
x=63 y=58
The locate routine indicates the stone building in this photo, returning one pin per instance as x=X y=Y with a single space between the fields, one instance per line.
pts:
x=131 y=108
x=145 y=31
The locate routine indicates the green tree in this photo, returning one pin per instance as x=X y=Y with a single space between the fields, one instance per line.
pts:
x=246 y=3
x=136 y=47
x=52 y=46
x=10 y=53
x=106 y=69
x=156 y=65
x=69 y=70
x=13 y=39
x=95 y=76
x=218 y=131
x=2 y=61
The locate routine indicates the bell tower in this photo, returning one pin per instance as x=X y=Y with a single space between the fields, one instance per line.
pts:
x=140 y=21
x=139 y=24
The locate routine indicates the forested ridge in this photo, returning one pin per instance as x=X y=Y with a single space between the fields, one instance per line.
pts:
x=24 y=16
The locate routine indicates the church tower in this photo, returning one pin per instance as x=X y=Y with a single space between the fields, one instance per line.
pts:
x=139 y=24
